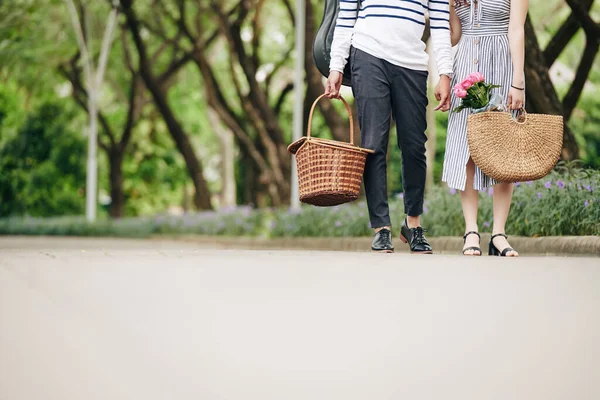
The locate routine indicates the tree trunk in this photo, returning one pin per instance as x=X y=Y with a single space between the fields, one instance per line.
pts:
x=202 y=194
x=592 y=38
x=228 y=165
x=247 y=184
x=315 y=88
x=91 y=187
x=225 y=136
x=585 y=66
x=93 y=78
x=117 y=204
x=564 y=35
x=541 y=95
x=267 y=162
x=186 y=204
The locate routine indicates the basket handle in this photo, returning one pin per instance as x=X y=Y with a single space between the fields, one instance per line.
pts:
x=521 y=113
x=312 y=110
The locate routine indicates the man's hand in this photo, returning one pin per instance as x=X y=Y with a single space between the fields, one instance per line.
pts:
x=442 y=93
x=334 y=83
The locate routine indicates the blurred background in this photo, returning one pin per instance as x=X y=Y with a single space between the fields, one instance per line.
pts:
x=194 y=104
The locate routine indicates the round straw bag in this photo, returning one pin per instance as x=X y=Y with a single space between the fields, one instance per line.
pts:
x=329 y=172
x=511 y=150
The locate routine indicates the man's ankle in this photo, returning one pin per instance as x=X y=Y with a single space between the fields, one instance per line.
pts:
x=376 y=230
x=413 y=222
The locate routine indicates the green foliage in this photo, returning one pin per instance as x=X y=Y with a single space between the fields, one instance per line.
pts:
x=11 y=115
x=33 y=41
x=154 y=172
x=586 y=126
x=440 y=145
x=547 y=17
x=42 y=168
x=564 y=203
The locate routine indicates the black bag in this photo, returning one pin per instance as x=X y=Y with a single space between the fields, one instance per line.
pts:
x=323 y=39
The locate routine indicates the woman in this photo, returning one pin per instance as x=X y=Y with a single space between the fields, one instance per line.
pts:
x=490 y=38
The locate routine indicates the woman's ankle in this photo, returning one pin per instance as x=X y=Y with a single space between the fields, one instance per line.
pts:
x=471 y=228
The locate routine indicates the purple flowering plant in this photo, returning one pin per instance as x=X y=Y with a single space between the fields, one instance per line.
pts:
x=566 y=202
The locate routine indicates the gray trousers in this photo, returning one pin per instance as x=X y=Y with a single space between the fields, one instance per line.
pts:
x=383 y=90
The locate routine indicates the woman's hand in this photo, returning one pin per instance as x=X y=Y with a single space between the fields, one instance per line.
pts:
x=516 y=99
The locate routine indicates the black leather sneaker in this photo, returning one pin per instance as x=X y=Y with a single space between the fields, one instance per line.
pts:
x=415 y=237
x=382 y=242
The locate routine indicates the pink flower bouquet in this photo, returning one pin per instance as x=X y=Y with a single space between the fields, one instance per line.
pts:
x=474 y=92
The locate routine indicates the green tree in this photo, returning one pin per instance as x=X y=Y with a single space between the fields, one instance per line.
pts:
x=586 y=124
x=42 y=169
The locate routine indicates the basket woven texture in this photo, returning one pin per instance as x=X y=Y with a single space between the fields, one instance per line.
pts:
x=515 y=151
x=329 y=172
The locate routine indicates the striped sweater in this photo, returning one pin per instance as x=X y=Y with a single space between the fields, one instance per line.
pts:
x=392 y=30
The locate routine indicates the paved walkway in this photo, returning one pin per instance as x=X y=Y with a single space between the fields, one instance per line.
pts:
x=102 y=319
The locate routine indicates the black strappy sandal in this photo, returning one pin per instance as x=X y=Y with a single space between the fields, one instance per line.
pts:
x=494 y=250
x=474 y=248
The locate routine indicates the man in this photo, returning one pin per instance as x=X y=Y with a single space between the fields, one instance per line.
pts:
x=382 y=39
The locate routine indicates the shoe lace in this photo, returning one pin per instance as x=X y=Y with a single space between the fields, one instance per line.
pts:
x=385 y=234
x=419 y=235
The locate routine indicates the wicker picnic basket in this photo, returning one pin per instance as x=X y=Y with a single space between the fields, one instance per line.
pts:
x=329 y=172
x=511 y=150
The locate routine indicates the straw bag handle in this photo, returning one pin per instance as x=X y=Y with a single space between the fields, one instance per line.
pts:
x=522 y=113
x=312 y=110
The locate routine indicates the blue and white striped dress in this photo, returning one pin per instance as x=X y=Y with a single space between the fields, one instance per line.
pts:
x=483 y=48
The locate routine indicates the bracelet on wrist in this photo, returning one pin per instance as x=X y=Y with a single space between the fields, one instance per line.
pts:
x=518 y=88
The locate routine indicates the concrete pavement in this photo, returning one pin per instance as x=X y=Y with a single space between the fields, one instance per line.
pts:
x=87 y=319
